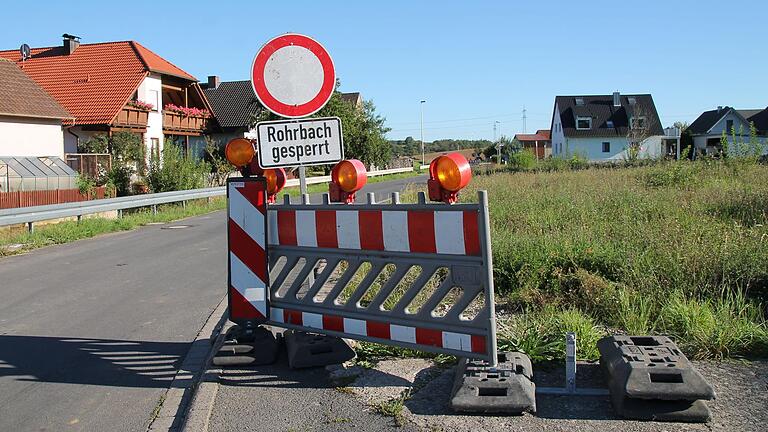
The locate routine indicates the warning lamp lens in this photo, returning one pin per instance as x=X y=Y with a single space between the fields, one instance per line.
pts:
x=350 y=175
x=239 y=152
x=275 y=180
x=452 y=171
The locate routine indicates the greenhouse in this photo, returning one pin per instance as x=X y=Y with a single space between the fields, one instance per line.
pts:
x=35 y=173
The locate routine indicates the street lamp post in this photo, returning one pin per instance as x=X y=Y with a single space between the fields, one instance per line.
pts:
x=421 y=105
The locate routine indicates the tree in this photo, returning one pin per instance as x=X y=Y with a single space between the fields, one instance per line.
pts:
x=363 y=129
x=639 y=127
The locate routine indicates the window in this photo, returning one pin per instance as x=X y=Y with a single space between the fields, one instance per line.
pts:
x=155 y=150
x=609 y=123
x=632 y=100
x=606 y=147
x=728 y=126
x=154 y=97
x=583 y=123
x=638 y=122
x=579 y=101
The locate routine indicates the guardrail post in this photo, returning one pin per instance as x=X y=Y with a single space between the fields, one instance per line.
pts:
x=395 y=197
x=184 y=204
x=120 y=213
x=570 y=362
x=79 y=218
x=30 y=227
x=154 y=209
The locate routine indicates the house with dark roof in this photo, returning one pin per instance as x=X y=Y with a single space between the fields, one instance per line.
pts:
x=601 y=127
x=234 y=103
x=118 y=86
x=708 y=128
x=30 y=119
x=540 y=143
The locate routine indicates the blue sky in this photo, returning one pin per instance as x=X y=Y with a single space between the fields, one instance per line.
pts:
x=474 y=62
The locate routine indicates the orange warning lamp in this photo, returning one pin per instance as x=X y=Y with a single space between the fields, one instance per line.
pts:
x=347 y=177
x=239 y=152
x=448 y=174
x=275 y=182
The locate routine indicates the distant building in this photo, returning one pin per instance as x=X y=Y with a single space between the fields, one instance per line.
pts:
x=708 y=128
x=30 y=119
x=540 y=143
x=354 y=98
x=598 y=126
x=118 y=86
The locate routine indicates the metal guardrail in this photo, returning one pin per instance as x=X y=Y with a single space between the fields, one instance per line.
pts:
x=29 y=215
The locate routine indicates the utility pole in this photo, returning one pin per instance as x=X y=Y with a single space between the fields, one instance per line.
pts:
x=498 y=144
x=421 y=105
x=524 y=117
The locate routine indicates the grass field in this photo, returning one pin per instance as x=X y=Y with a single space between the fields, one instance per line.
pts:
x=678 y=249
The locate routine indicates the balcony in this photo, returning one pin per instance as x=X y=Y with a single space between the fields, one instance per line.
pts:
x=131 y=118
x=180 y=124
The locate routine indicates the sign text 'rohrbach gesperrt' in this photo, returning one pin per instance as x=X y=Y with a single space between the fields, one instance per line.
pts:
x=313 y=141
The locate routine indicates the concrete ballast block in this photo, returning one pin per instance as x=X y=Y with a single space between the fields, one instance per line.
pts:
x=505 y=389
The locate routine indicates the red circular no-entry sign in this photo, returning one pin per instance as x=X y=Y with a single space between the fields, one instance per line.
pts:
x=293 y=75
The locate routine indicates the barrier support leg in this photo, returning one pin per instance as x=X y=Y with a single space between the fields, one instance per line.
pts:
x=154 y=209
x=30 y=227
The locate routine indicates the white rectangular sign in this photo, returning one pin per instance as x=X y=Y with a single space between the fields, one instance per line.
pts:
x=312 y=141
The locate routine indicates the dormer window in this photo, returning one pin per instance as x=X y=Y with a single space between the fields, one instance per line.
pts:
x=583 y=123
x=580 y=101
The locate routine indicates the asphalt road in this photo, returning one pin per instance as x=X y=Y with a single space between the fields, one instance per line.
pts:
x=92 y=332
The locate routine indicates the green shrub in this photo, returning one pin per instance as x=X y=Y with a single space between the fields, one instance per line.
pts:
x=85 y=185
x=175 y=171
x=522 y=160
x=119 y=178
x=97 y=144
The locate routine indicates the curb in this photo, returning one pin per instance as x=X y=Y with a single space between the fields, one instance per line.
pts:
x=198 y=413
x=175 y=407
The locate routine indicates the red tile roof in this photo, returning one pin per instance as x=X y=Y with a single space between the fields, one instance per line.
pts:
x=22 y=97
x=540 y=135
x=94 y=82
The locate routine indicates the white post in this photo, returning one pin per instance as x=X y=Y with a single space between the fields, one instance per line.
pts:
x=421 y=106
x=303 y=179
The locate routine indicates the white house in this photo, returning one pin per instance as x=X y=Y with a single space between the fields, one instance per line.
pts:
x=707 y=130
x=30 y=119
x=118 y=87
x=599 y=127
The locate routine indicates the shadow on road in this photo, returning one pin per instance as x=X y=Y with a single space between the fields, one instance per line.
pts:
x=103 y=362
x=280 y=375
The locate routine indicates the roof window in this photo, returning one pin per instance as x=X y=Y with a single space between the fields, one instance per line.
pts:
x=579 y=101
x=632 y=100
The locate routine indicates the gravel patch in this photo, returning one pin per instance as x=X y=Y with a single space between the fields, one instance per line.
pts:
x=741 y=404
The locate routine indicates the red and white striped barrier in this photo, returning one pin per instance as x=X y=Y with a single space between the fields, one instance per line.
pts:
x=248 y=274
x=381 y=330
x=426 y=231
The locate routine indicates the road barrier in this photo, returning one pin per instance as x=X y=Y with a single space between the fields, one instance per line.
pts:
x=410 y=275
x=650 y=379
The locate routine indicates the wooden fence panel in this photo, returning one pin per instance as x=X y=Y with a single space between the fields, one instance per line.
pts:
x=45 y=197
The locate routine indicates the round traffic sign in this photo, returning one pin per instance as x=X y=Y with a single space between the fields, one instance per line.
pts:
x=293 y=75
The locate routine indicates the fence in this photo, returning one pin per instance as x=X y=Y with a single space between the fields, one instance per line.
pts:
x=9 y=200
x=89 y=163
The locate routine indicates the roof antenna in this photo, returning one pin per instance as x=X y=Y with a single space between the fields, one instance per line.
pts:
x=25 y=52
